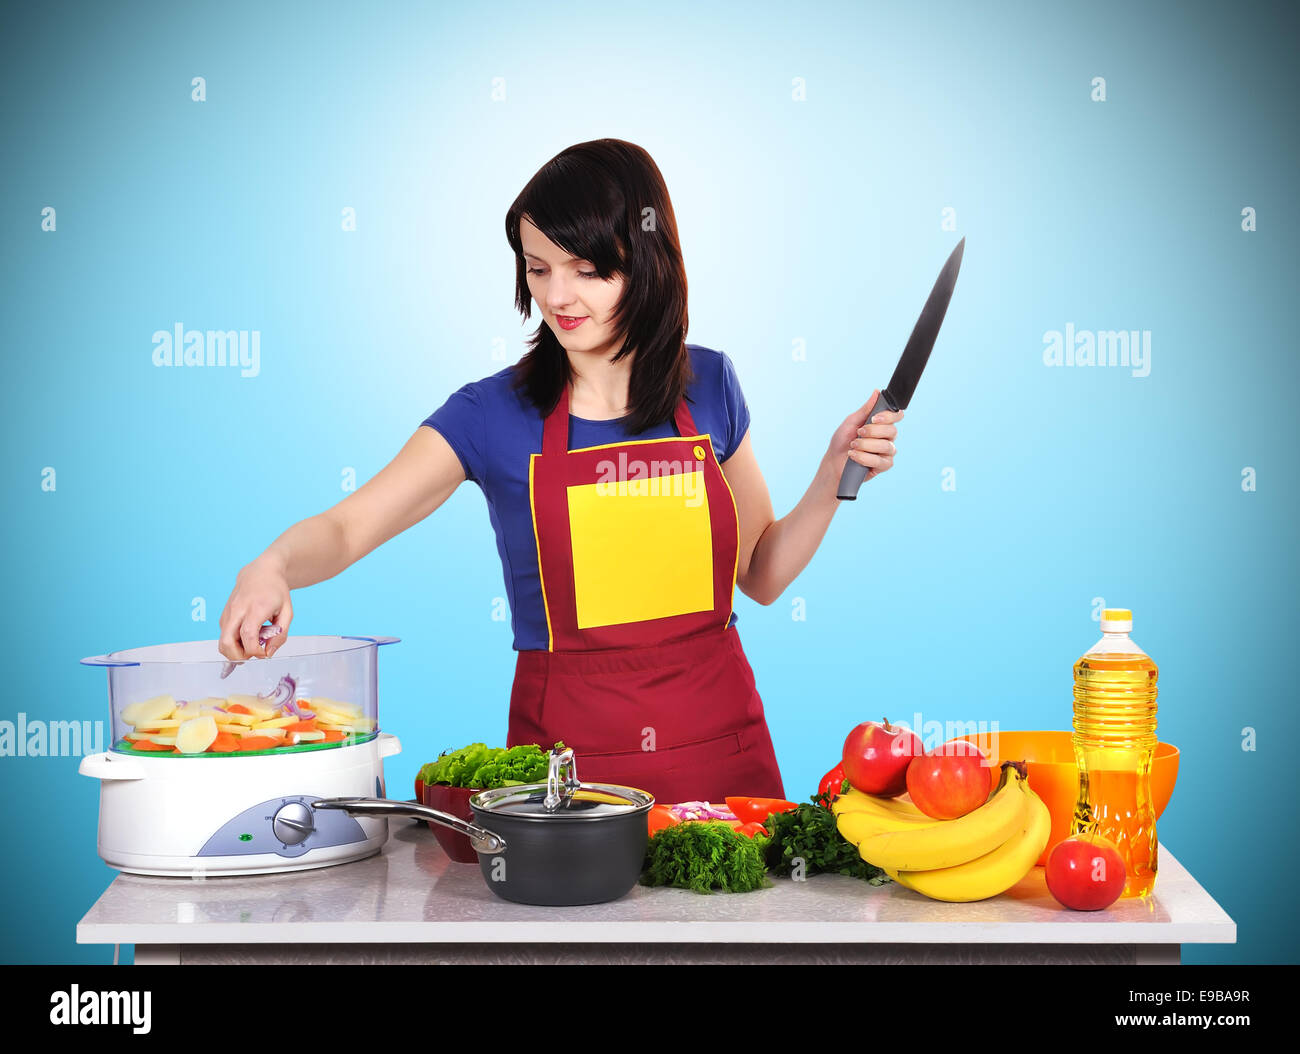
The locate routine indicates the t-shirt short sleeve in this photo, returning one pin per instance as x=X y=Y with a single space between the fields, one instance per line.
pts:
x=462 y=422
x=737 y=410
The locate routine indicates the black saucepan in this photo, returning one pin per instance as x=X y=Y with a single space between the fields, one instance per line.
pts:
x=556 y=843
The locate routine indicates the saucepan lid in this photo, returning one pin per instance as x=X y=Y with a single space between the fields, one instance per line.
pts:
x=562 y=797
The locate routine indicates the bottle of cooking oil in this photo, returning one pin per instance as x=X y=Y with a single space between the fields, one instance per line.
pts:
x=1114 y=743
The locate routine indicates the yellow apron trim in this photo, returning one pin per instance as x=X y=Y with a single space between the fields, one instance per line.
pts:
x=640 y=442
x=541 y=578
x=735 y=567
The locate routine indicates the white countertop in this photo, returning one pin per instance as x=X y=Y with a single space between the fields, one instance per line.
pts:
x=411 y=893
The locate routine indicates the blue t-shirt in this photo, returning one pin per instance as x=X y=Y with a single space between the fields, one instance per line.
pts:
x=493 y=428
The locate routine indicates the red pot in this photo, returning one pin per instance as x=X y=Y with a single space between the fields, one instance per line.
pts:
x=454 y=800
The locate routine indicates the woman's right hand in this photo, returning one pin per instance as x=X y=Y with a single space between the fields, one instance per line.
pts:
x=261 y=592
x=406 y=490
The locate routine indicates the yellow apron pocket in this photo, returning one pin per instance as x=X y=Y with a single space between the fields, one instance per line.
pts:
x=642 y=549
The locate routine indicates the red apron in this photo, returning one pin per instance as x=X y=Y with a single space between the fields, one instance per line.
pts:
x=637 y=545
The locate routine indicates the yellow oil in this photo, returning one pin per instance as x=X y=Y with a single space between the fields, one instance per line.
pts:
x=1114 y=742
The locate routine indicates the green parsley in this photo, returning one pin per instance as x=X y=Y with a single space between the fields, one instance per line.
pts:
x=808 y=834
x=705 y=855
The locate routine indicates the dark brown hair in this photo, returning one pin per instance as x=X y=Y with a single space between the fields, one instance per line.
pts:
x=605 y=201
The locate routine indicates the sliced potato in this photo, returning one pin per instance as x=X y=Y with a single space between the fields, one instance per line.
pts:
x=158 y=726
x=334 y=706
x=254 y=704
x=159 y=708
x=278 y=722
x=358 y=729
x=196 y=735
x=166 y=741
x=188 y=711
x=234 y=730
x=352 y=717
x=273 y=733
x=236 y=719
x=306 y=737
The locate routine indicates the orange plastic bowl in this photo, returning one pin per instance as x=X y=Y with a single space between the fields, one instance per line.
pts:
x=1054 y=777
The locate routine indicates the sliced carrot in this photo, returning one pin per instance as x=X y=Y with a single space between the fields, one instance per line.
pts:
x=302 y=726
x=258 y=743
x=332 y=735
x=147 y=744
x=225 y=743
x=238 y=708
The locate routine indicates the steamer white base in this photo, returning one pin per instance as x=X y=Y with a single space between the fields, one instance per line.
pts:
x=212 y=816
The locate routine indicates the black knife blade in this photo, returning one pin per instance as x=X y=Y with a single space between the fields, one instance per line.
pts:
x=911 y=364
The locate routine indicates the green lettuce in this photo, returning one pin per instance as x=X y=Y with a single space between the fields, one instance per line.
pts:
x=482 y=767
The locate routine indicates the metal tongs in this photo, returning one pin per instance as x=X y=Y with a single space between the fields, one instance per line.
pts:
x=558 y=793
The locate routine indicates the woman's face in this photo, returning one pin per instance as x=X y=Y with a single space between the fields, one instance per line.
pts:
x=568 y=290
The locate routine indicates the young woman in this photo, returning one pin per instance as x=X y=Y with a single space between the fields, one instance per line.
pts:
x=623 y=490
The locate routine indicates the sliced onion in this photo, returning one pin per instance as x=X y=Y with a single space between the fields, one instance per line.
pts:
x=701 y=810
x=282 y=695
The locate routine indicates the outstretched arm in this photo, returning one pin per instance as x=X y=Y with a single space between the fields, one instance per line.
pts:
x=772 y=551
x=406 y=490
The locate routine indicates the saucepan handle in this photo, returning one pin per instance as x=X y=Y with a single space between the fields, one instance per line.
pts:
x=483 y=840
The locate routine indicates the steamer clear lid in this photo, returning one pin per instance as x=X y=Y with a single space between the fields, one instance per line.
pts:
x=187 y=700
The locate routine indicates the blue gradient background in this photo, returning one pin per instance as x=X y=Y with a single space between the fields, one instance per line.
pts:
x=817 y=221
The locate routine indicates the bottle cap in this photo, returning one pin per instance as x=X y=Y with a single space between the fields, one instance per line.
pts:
x=1116 y=620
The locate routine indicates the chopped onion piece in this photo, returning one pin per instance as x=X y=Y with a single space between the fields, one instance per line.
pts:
x=701 y=810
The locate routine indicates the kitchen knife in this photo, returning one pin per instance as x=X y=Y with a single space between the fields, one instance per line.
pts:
x=910 y=366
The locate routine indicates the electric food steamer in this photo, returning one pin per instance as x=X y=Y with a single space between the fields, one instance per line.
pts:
x=214 y=764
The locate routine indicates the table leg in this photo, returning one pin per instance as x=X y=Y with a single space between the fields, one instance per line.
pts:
x=157 y=955
x=1159 y=955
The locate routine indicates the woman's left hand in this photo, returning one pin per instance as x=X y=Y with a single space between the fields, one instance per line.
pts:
x=870 y=445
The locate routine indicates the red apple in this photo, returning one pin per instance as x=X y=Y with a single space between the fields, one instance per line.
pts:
x=876 y=757
x=950 y=781
x=1086 y=873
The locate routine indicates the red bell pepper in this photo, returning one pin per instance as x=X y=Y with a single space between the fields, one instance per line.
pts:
x=832 y=783
x=756 y=810
x=661 y=816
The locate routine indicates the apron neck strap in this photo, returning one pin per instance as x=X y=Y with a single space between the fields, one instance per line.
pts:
x=555 y=429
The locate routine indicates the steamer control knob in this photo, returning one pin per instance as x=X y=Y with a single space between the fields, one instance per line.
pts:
x=292 y=823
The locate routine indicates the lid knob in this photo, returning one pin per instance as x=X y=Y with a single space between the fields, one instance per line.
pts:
x=558 y=791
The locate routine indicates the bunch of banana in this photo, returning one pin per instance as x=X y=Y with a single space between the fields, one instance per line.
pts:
x=973 y=857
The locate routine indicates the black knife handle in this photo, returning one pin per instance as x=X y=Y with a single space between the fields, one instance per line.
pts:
x=854 y=474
